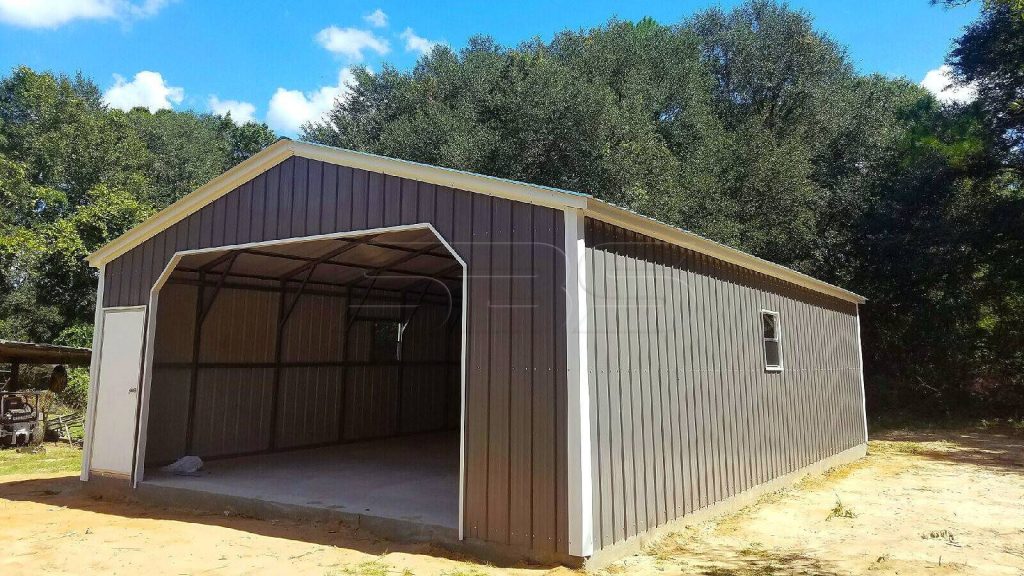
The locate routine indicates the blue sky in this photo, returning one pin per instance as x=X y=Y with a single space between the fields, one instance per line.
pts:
x=284 y=62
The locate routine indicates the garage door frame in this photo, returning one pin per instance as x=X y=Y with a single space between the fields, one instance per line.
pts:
x=150 y=335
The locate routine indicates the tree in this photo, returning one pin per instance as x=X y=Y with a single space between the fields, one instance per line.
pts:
x=990 y=56
x=74 y=175
x=752 y=128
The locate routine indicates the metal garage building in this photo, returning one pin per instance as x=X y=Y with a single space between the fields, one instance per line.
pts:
x=457 y=357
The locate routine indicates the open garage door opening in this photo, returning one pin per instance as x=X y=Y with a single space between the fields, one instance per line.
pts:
x=321 y=373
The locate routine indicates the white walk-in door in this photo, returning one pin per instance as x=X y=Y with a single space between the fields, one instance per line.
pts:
x=117 y=391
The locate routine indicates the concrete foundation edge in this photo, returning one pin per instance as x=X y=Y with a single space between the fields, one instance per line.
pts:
x=392 y=529
x=619 y=550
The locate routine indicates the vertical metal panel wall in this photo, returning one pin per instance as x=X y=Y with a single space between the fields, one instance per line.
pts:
x=516 y=481
x=684 y=414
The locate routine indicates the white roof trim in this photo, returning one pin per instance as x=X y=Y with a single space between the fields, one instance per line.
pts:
x=621 y=217
x=456 y=179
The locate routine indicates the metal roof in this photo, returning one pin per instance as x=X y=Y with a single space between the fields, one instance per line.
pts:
x=456 y=179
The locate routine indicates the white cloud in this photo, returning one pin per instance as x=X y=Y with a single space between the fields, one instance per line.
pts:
x=414 y=43
x=241 y=112
x=55 y=13
x=290 y=109
x=146 y=90
x=940 y=82
x=377 y=18
x=351 y=42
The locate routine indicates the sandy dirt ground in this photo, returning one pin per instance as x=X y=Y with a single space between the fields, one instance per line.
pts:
x=919 y=503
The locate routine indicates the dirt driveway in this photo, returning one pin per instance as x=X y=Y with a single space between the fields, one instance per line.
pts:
x=919 y=503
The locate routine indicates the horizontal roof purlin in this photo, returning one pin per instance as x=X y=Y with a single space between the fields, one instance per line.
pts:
x=456 y=179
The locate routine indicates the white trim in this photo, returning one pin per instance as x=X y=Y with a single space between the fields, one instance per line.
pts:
x=457 y=179
x=94 y=372
x=283 y=149
x=863 y=391
x=94 y=369
x=778 y=338
x=139 y=470
x=611 y=214
x=581 y=512
x=147 y=370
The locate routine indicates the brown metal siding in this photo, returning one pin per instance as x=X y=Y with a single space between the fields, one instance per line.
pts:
x=683 y=413
x=516 y=481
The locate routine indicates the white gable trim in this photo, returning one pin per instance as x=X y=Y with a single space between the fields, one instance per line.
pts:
x=456 y=179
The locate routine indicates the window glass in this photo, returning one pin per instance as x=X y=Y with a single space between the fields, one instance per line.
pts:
x=772 y=340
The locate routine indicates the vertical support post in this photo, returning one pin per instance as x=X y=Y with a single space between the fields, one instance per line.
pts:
x=344 y=367
x=278 y=350
x=581 y=512
x=12 y=384
x=863 y=392
x=401 y=361
x=193 y=384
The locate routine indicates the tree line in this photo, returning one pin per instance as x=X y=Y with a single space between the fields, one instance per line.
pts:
x=746 y=126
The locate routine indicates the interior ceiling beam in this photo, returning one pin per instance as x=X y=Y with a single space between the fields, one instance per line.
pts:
x=444 y=275
x=209 y=266
x=433 y=297
x=275 y=279
x=207 y=306
x=350 y=265
x=311 y=265
x=382 y=269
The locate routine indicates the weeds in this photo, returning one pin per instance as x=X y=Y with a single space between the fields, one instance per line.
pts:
x=840 y=510
x=944 y=535
x=464 y=572
x=375 y=567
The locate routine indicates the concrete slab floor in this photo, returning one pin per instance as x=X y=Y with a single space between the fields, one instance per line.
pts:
x=412 y=478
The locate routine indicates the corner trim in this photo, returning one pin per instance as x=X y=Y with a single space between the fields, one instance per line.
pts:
x=581 y=513
x=863 y=391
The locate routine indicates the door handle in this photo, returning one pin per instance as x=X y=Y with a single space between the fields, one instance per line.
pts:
x=133 y=390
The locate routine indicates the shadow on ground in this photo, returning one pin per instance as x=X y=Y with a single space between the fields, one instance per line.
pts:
x=1003 y=452
x=690 y=555
x=70 y=492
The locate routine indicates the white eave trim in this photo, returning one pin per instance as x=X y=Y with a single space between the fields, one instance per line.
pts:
x=459 y=180
x=621 y=217
x=283 y=149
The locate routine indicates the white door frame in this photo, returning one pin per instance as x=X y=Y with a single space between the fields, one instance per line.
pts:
x=94 y=372
x=154 y=296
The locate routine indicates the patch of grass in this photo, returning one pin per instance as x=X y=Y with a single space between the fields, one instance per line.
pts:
x=840 y=510
x=55 y=457
x=375 y=567
x=463 y=572
x=909 y=447
x=944 y=535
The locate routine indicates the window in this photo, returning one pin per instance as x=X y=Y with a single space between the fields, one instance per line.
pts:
x=387 y=337
x=772 y=338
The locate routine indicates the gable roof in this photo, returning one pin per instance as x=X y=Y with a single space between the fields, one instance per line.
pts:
x=456 y=179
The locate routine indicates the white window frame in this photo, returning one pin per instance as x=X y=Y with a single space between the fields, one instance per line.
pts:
x=777 y=339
